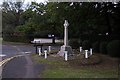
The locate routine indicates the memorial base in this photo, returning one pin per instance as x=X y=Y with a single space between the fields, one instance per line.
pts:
x=65 y=48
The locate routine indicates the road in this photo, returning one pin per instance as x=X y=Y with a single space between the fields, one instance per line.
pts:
x=19 y=63
x=10 y=50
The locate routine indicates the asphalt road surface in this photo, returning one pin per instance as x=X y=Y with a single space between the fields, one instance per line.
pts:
x=21 y=66
x=9 y=50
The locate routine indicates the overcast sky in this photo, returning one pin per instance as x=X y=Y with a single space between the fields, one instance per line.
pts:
x=26 y=1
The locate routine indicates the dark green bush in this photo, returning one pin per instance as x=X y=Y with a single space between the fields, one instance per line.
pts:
x=96 y=46
x=75 y=43
x=103 y=47
x=16 y=39
x=113 y=48
x=86 y=45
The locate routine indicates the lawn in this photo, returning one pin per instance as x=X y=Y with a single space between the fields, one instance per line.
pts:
x=56 y=67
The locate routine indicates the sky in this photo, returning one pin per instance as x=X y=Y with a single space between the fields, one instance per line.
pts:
x=25 y=2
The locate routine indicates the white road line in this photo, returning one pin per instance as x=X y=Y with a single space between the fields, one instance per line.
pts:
x=8 y=59
x=2 y=55
x=27 y=52
x=5 y=61
x=14 y=46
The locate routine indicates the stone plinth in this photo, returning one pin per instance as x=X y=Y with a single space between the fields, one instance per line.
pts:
x=65 y=48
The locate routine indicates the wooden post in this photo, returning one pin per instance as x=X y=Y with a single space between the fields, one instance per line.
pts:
x=80 y=49
x=86 y=53
x=39 y=51
x=90 y=51
x=66 y=55
x=45 y=51
x=49 y=48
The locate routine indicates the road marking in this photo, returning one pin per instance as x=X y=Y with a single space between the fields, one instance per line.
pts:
x=2 y=55
x=5 y=61
x=8 y=59
x=25 y=52
x=14 y=46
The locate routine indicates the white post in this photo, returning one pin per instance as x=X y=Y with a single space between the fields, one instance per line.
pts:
x=39 y=49
x=49 y=48
x=86 y=53
x=45 y=51
x=80 y=49
x=66 y=24
x=90 y=51
x=66 y=56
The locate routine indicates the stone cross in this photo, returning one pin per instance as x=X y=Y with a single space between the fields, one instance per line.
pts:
x=65 y=47
x=66 y=24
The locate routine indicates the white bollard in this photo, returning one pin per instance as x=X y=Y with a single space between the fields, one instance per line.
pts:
x=86 y=53
x=45 y=51
x=66 y=55
x=49 y=48
x=80 y=49
x=39 y=49
x=90 y=51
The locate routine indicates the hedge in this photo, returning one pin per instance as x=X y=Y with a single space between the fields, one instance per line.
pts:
x=103 y=47
x=75 y=43
x=86 y=45
x=113 y=48
x=96 y=46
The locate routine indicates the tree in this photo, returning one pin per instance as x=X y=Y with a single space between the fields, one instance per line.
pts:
x=11 y=17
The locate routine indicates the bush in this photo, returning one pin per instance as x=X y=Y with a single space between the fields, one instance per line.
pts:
x=16 y=39
x=96 y=46
x=113 y=48
x=86 y=45
x=75 y=43
x=103 y=47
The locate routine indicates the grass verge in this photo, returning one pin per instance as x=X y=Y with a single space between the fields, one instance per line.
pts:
x=56 y=67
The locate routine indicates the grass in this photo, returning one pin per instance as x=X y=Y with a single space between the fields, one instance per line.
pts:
x=58 y=68
x=77 y=73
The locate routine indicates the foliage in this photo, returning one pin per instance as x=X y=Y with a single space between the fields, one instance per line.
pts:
x=103 y=47
x=113 y=48
x=86 y=45
x=74 y=43
x=95 y=46
x=85 y=18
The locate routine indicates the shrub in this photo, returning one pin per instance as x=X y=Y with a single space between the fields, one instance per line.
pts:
x=74 y=43
x=103 y=47
x=113 y=48
x=86 y=45
x=96 y=46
